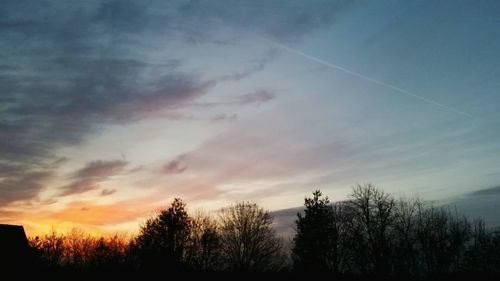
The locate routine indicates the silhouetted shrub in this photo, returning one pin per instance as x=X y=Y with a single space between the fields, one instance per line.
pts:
x=78 y=252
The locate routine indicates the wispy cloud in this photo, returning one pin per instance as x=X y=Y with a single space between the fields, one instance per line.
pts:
x=225 y=117
x=482 y=204
x=69 y=69
x=258 y=97
x=176 y=166
x=22 y=185
x=88 y=177
x=106 y=192
x=493 y=191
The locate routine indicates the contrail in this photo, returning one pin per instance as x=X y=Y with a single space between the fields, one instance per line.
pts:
x=367 y=78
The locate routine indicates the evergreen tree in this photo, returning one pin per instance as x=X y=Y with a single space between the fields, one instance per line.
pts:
x=163 y=239
x=315 y=242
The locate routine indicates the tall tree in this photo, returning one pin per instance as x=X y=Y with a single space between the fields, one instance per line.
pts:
x=316 y=242
x=374 y=214
x=405 y=256
x=205 y=244
x=163 y=239
x=249 y=242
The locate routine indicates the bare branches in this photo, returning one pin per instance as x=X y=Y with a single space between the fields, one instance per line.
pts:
x=371 y=233
x=249 y=242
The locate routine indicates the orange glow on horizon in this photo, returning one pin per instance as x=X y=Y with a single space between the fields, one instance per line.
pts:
x=94 y=219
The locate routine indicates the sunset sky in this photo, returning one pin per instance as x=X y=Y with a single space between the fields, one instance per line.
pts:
x=110 y=109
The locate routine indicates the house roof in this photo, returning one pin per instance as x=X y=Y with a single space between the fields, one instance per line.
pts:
x=12 y=237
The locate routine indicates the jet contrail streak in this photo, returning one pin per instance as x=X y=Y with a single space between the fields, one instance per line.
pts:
x=373 y=80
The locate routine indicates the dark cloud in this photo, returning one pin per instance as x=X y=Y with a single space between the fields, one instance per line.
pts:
x=493 y=191
x=88 y=177
x=257 y=97
x=68 y=68
x=482 y=203
x=106 y=192
x=24 y=181
x=22 y=185
x=135 y=169
x=99 y=169
x=64 y=71
x=284 y=221
x=176 y=166
x=282 y=19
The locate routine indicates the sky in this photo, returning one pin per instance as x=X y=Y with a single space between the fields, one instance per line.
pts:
x=110 y=109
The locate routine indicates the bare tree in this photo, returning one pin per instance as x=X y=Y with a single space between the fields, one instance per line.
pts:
x=204 y=251
x=79 y=247
x=249 y=242
x=110 y=252
x=50 y=248
x=433 y=239
x=405 y=238
x=373 y=212
x=460 y=234
x=483 y=254
x=78 y=250
x=370 y=233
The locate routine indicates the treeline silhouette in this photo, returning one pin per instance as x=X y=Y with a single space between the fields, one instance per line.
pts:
x=371 y=233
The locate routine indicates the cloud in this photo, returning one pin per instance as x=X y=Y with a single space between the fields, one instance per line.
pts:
x=492 y=191
x=23 y=181
x=99 y=169
x=258 y=97
x=228 y=156
x=88 y=177
x=106 y=192
x=479 y=204
x=68 y=70
x=65 y=74
x=176 y=166
x=225 y=117
x=9 y=216
x=288 y=20
x=119 y=216
x=249 y=163
x=284 y=221
x=135 y=169
x=21 y=185
x=91 y=214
